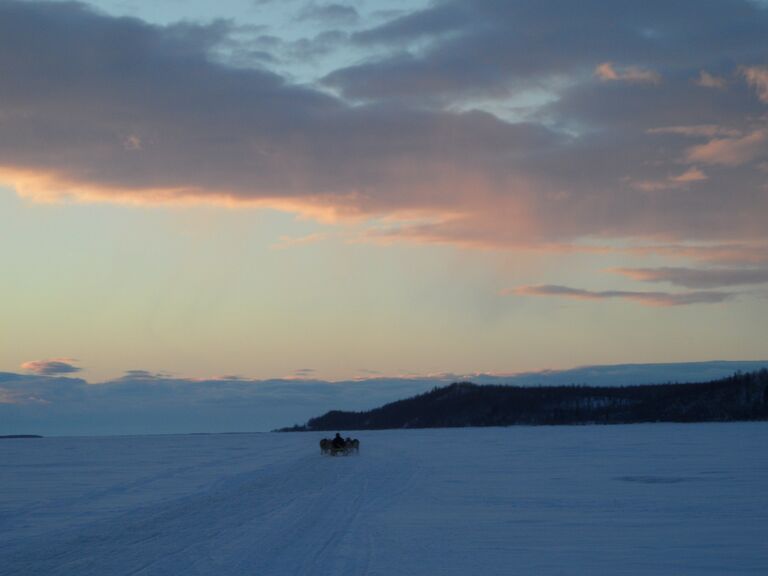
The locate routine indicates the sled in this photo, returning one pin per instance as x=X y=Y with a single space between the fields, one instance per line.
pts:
x=327 y=447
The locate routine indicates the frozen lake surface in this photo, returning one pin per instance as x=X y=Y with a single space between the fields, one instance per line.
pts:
x=594 y=500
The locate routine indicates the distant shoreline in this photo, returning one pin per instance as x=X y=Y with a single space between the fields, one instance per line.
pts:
x=15 y=436
x=741 y=397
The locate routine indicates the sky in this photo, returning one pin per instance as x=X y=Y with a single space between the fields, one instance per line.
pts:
x=335 y=191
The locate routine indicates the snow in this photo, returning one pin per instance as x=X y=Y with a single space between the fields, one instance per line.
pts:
x=593 y=500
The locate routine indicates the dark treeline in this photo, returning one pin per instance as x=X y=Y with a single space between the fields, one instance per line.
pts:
x=738 y=397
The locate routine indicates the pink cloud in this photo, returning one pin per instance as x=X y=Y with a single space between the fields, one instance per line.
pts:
x=757 y=77
x=691 y=175
x=683 y=180
x=608 y=72
x=51 y=366
x=730 y=151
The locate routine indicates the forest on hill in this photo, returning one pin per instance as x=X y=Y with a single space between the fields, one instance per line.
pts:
x=738 y=397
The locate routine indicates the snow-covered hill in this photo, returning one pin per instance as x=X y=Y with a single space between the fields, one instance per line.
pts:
x=619 y=500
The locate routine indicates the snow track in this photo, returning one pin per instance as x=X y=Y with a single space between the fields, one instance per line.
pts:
x=657 y=499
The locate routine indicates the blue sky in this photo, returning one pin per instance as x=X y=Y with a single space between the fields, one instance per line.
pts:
x=345 y=190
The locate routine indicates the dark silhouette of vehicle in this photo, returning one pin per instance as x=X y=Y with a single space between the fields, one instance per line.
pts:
x=339 y=446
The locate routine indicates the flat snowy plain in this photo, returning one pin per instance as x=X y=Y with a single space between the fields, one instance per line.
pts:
x=615 y=500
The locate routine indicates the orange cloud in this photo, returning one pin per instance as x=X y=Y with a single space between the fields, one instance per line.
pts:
x=730 y=151
x=608 y=72
x=680 y=181
x=47 y=187
x=690 y=175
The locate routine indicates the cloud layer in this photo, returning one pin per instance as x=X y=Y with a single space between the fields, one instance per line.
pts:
x=142 y=402
x=115 y=109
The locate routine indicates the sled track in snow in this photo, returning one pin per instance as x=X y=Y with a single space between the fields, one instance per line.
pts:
x=307 y=515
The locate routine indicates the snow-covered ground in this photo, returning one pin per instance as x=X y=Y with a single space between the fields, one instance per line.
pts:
x=619 y=500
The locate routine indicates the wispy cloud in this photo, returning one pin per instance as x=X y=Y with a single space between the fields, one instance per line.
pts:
x=634 y=74
x=329 y=13
x=730 y=151
x=685 y=179
x=52 y=366
x=721 y=254
x=286 y=242
x=707 y=80
x=368 y=373
x=304 y=372
x=698 y=278
x=646 y=298
x=143 y=375
x=693 y=174
x=757 y=77
x=698 y=131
